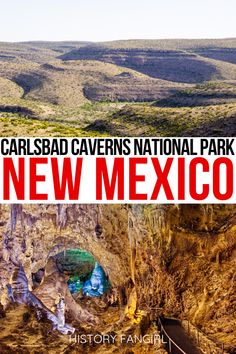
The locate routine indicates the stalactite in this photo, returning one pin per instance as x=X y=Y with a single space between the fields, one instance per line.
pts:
x=24 y=243
x=210 y=213
x=5 y=253
x=61 y=215
x=132 y=246
x=98 y=227
x=16 y=210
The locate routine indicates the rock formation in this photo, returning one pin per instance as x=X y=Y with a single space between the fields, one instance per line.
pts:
x=176 y=261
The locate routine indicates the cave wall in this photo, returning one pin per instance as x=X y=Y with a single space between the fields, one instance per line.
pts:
x=30 y=234
x=185 y=265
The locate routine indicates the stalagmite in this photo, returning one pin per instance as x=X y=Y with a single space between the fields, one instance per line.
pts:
x=55 y=283
x=61 y=312
x=19 y=293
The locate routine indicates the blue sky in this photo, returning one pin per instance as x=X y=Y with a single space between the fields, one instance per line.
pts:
x=100 y=20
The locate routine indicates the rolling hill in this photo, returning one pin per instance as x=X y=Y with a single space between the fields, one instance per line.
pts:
x=118 y=88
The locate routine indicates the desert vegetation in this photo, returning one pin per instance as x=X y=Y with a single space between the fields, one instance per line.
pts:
x=138 y=87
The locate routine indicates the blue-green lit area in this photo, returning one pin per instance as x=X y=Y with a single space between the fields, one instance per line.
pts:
x=86 y=275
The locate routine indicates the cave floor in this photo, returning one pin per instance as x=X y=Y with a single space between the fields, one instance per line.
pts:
x=22 y=333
